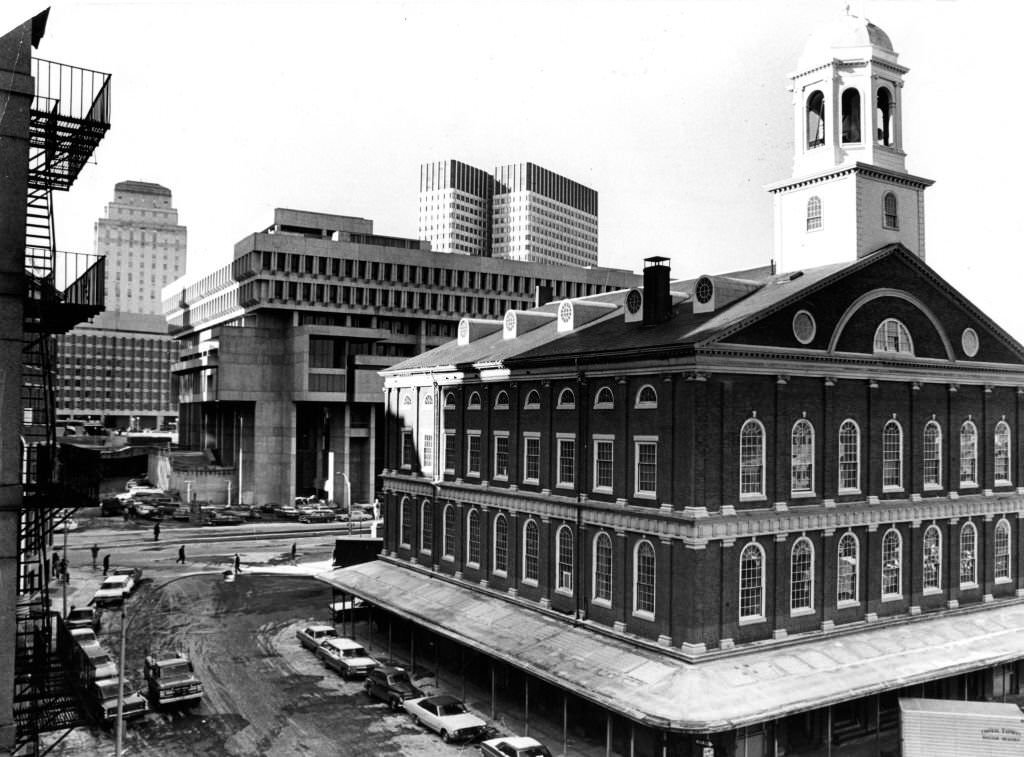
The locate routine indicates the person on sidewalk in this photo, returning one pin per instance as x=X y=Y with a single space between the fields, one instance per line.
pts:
x=55 y=564
x=106 y=563
x=95 y=549
x=156 y=531
x=238 y=563
x=294 y=548
x=181 y=555
x=64 y=569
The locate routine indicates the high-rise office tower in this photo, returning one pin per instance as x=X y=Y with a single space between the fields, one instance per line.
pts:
x=116 y=369
x=522 y=212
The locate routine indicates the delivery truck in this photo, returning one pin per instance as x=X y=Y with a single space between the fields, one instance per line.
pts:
x=951 y=728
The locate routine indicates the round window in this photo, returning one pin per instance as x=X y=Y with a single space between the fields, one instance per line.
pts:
x=463 y=329
x=804 y=327
x=510 y=321
x=565 y=311
x=634 y=301
x=704 y=290
x=969 y=341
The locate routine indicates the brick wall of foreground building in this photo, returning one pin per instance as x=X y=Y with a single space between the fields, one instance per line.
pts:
x=279 y=351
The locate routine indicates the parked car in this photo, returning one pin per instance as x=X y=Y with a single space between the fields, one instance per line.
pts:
x=446 y=716
x=221 y=518
x=360 y=515
x=83 y=617
x=269 y=507
x=67 y=524
x=112 y=506
x=84 y=636
x=246 y=512
x=286 y=511
x=135 y=483
x=143 y=509
x=112 y=591
x=317 y=515
x=390 y=685
x=345 y=657
x=313 y=636
x=134 y=574
x=514 y=746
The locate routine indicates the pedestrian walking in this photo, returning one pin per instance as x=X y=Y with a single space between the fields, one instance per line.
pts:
x=106 y=563
x=95 y=549
x=54 y=563
x=156 y=531
x=238 y=563
x=64 y=569
x=181 y=554
x=294 y=547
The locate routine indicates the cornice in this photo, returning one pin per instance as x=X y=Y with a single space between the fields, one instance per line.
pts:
x=865 y=169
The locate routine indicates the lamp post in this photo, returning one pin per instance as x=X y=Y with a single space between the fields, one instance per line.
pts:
x=119 y=726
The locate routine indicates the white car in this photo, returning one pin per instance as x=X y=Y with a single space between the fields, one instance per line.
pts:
x=447 y=716
x=313 y=636
x=513 y=746
x=346 y=657
x=113 y=590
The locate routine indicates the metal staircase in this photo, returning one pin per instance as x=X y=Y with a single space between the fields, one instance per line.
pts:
x=70 y=114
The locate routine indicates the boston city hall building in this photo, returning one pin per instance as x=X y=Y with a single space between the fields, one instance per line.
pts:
x=735 y=515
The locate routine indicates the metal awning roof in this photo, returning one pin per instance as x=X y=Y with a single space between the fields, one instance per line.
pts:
x=719 y=693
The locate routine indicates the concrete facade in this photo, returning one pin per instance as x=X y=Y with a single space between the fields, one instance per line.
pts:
x=279 y=351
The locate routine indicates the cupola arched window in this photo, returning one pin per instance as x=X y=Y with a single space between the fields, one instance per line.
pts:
x=884 y=114
x=893 y=337
x=890 y=211
x=814 y=214
x=815 y=119
x=851 y=115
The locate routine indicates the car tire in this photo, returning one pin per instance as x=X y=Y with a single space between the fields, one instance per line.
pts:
x=445 y=737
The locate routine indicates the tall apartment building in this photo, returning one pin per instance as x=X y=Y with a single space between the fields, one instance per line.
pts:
x=116 y=368
x=280 y=350
x=521 y=212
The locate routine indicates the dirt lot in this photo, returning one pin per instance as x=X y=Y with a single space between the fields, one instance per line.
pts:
x=265 y=695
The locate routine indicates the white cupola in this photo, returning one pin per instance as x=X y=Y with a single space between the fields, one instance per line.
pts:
x=850 y=192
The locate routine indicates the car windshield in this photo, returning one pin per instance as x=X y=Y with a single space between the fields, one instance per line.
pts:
x=323 y=633
x=535 y=751
x=451 y=708
x=113 y=583
x=355 y=652
x=399 y=679
x=85 y=614
x=176 y=670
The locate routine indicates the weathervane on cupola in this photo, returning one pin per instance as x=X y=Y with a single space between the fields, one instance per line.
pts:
x=850 y=193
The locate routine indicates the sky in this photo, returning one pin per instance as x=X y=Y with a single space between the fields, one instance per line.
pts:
x=675 y=111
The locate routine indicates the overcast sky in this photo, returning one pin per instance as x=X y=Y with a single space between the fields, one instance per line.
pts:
x=676 y=112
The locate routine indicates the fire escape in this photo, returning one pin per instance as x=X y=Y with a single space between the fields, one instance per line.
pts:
x=70 y=114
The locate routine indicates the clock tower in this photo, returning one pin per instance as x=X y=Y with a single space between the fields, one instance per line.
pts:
x=850 y=192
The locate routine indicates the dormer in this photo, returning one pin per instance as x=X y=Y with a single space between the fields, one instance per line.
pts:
x=518 y=322
x=471 y=329
x=712 y=293
x=574 y=313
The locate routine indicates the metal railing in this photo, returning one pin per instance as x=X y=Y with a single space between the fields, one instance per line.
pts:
x=71 y=92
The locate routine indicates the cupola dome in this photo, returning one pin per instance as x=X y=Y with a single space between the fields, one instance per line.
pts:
x=847 y=37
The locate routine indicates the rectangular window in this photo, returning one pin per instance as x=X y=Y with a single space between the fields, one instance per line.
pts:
x=531 y=458
x=473 y=453
x=428 y=453
x=501 y=455
x=604 y=460
x=566 y=461
x=449 y=452
x=408 y=450
x=645 y=472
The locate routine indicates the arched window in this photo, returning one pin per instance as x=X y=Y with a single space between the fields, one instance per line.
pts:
x=848 y=569
x=892 y=564
x=428 y=400
x=968 y=555
x=426 y=526
x=643 y=578
x=501 y=401
x=566 y=400
x=473 y=538
x=531 y=551
x=1002 y=453
x=646 y=398
x=449 y=400
x=406 y=522
x=500 y=544
x=532 y=400
x=564 y=559
x=801 y=575
x=604 y=400
x=890 y=211
x=603 y=567
x=1001 y=551
x=752 y=459
x=449 y=531
x=752 y=581
x=892 y=337
x=851 y=115
x=801 y=474
x=474 y=401
x=849 y=457
x=814 y=214
x=883 y=116
x=932 y=455
x=815 y=119
x=932 y=559
x=968 y=454
x=892 y=456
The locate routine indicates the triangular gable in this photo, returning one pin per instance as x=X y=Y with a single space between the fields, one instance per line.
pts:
x=847 y=305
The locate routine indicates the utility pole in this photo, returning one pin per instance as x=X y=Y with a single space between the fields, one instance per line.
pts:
x=119 y=732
